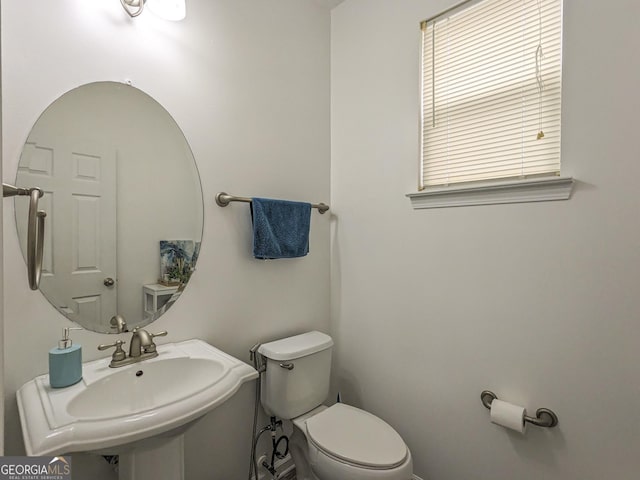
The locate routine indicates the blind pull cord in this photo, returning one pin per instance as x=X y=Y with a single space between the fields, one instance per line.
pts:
x=539 y=56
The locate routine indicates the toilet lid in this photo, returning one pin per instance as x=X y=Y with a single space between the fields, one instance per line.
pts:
x=356 y=437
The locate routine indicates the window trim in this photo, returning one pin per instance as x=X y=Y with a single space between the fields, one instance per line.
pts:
x=494 y=193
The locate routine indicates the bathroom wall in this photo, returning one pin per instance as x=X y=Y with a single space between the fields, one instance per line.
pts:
x=1 y=284
x=538 y=302
x=248 y=83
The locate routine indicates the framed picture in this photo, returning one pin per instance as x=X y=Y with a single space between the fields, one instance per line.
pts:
x=177 y=260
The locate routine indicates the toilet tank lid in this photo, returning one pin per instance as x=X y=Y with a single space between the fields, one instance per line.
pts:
x=297 y=346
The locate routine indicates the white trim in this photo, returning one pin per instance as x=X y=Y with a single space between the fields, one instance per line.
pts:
x=520 y=191
x=288 y=469
x=283 y=466
x=288 y=465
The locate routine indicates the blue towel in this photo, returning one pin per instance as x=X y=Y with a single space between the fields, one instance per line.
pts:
x=280 y=228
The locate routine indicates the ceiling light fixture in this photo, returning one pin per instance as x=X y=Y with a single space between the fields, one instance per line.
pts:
x=173 y=10
x=133 y=7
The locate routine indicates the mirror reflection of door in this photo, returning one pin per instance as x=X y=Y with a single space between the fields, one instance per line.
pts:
x=79 y=180
x=120 y=180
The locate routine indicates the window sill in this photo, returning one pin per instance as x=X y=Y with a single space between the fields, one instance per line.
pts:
x=520 y=191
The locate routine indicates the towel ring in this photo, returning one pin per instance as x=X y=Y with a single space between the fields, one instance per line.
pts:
x=35 y=231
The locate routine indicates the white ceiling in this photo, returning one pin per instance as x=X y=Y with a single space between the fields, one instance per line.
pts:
x=330 y=3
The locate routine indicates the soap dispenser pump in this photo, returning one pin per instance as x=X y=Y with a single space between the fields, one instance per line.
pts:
x=65 y=361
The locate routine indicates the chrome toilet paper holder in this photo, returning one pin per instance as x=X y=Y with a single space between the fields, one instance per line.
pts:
x=544 y=417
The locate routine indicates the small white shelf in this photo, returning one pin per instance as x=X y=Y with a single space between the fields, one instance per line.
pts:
x=155 y=296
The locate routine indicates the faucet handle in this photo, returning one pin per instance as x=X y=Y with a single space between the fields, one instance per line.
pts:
x=152 y=348
x=119 y=354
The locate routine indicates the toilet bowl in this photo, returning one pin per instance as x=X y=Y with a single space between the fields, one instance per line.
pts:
x=339 y=442
x=344 y=442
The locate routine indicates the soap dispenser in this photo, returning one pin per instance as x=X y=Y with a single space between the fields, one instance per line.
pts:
x=65 y=361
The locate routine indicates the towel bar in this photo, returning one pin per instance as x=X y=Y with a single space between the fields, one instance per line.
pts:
x=223 y=199
x=544 y=417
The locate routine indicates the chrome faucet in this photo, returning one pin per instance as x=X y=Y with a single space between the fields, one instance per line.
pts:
x=141 y=348
x=118 y=323
x=142 y=343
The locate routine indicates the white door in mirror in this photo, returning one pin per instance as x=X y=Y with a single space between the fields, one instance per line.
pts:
x=79 y=181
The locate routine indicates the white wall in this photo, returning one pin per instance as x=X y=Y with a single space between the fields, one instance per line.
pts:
x=1 y=287
x=538 y=302
x=248 y=82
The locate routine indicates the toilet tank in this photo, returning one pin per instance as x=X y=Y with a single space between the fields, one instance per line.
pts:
x=297 y=376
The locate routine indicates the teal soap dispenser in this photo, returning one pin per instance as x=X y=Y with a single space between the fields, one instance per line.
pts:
x=65 y=361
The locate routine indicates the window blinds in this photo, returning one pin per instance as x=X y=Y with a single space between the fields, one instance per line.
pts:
x=491 y=82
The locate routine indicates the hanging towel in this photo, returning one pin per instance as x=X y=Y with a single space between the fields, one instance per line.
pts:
x=280 y=228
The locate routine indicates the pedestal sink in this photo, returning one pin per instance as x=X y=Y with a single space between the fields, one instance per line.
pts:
x=139 y=412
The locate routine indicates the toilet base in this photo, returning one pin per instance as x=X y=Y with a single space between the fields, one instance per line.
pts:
x=298 y=449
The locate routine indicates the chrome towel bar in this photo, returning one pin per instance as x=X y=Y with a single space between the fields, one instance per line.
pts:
x=35 y=231
x=223 y=199
x=544 y=417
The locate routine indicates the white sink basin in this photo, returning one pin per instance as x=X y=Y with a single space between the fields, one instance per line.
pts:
x=161 y=383
x=113 y=407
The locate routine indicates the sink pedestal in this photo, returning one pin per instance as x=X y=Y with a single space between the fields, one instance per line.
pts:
x=159 y=459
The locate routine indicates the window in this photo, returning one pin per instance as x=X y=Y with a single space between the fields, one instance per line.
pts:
x=491 y=85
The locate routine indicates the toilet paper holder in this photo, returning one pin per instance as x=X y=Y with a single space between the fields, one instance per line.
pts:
x=544 y=417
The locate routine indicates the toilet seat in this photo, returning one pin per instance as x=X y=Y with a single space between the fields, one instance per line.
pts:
x=357 y=438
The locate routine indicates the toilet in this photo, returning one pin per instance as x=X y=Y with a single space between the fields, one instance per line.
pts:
x=328 y=443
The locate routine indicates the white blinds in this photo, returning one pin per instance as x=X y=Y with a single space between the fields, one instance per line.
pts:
x=482 y=109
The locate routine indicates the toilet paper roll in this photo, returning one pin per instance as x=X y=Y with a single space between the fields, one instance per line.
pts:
x=508 y=415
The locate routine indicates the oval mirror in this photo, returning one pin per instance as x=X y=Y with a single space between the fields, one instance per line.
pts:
x=123 y=202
